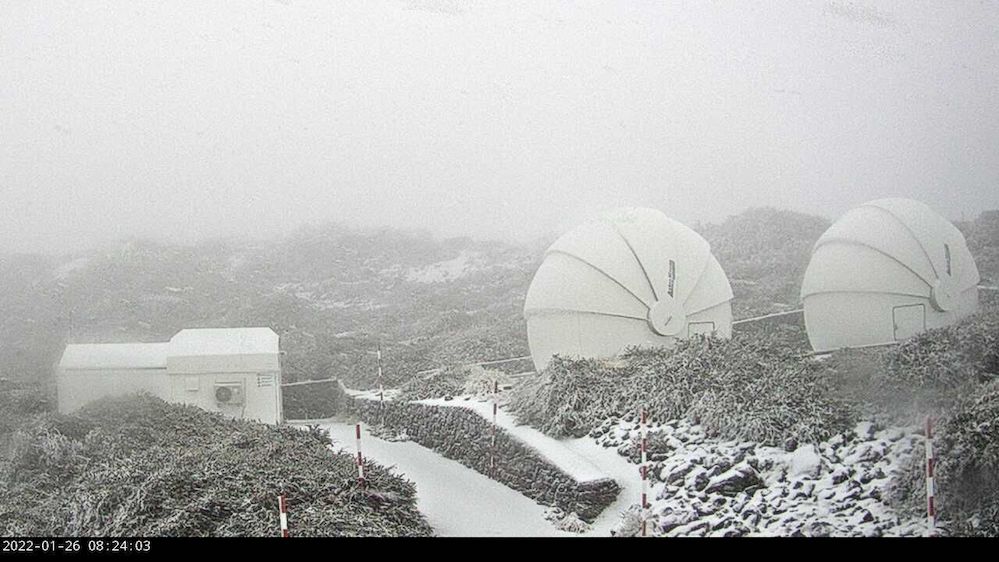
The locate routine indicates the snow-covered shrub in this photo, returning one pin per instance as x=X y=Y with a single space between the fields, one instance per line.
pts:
x=570 y=396
x=957 y=356
x=480 y=382
x=753 y=388
x=783 y=402
x=312 y=401
x=568 y=522
x=630 y=523
x=966 y=449
x=42 y=447
x=20 y=401
x=449 y=381
x=930 y=372
x=138 y=466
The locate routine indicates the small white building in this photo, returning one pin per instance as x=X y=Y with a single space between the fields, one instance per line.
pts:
x=235 y=371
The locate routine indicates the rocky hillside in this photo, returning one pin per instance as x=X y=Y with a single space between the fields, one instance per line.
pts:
x=708 y=487
x=983 y=241
x=333 y=293
x=764 y=252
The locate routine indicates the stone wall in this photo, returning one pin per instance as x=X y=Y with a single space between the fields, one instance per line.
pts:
x=312 y=400
x=465 y=436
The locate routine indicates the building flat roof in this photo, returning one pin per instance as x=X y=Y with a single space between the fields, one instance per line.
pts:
x=115 y=356
x=187 y=343
x=223 y=341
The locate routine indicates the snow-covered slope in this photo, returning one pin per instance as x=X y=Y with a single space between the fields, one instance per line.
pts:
x=456 y=500
x=708 y=487
x=573 y=464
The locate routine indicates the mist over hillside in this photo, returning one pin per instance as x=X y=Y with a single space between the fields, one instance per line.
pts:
x=334 y=294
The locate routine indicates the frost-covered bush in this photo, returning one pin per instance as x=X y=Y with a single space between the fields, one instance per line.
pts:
x=568 y=522
x=787 y=400
x=43 y=447
x=747 y=387
x=966 y=448
x=449 y=381
x=312 y=401
x=630 y=523
x=929 y=372
x=20 y=401
x=570 y=396
x=964 y=354
x=481 y=382
x=137 y=466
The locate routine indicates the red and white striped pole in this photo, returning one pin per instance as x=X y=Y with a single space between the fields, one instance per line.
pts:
x=381 y=405
x=283 y=507
x=645 y=472
x=931 y=510
x=379 y=362
x=360 y=459
x=381 y=390
x=492 y=446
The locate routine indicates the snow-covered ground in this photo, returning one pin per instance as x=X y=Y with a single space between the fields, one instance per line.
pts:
x=575 y=465
x=456 y=500
x=702 y=486
x=615 y=466
x=449 y=270
x=699 y=485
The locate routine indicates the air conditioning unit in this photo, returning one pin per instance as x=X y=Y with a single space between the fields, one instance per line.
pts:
x=229 y=393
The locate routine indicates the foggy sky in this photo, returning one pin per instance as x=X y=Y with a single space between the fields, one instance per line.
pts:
x=185 y=120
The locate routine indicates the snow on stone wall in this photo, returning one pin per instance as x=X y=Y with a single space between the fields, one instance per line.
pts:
x=463 y=435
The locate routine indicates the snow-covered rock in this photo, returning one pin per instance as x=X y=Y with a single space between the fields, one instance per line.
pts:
x=711 y=487
x=734 y=480
x=864 y=430
x=805 y=461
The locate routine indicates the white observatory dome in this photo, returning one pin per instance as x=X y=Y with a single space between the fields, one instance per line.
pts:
x=886 y=271
x=634 y=277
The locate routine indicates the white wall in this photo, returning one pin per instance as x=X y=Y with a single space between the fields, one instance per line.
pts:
x=78 y=387
x=836 y=320
x=261 y=390
x=243 y=363
x=602 y=337
x=261 y=401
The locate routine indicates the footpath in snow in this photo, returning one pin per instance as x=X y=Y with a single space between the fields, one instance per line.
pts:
x=571 y=462
x=456 y=500
x=700 y=486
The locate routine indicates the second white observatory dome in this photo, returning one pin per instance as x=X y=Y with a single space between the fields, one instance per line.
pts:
x=885 y=271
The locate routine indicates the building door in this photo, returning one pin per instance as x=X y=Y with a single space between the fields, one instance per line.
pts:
x=909 y=320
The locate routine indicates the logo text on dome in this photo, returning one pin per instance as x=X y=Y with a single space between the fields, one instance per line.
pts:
x=672 y=277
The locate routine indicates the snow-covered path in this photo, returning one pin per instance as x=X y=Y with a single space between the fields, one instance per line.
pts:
x=608 y=461
x=456 y=500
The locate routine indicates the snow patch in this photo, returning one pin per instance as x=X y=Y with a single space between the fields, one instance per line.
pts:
x=440 y=272
x=456 y=500
x=555 y=451
x=704 y=486
x=805 y=461
x=70 y=267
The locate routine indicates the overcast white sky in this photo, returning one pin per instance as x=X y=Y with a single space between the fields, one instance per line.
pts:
x=183 y=120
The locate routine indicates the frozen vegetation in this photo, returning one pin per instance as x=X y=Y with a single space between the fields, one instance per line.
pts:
x=137 y=466
x=333 y=294
x=811 y=446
